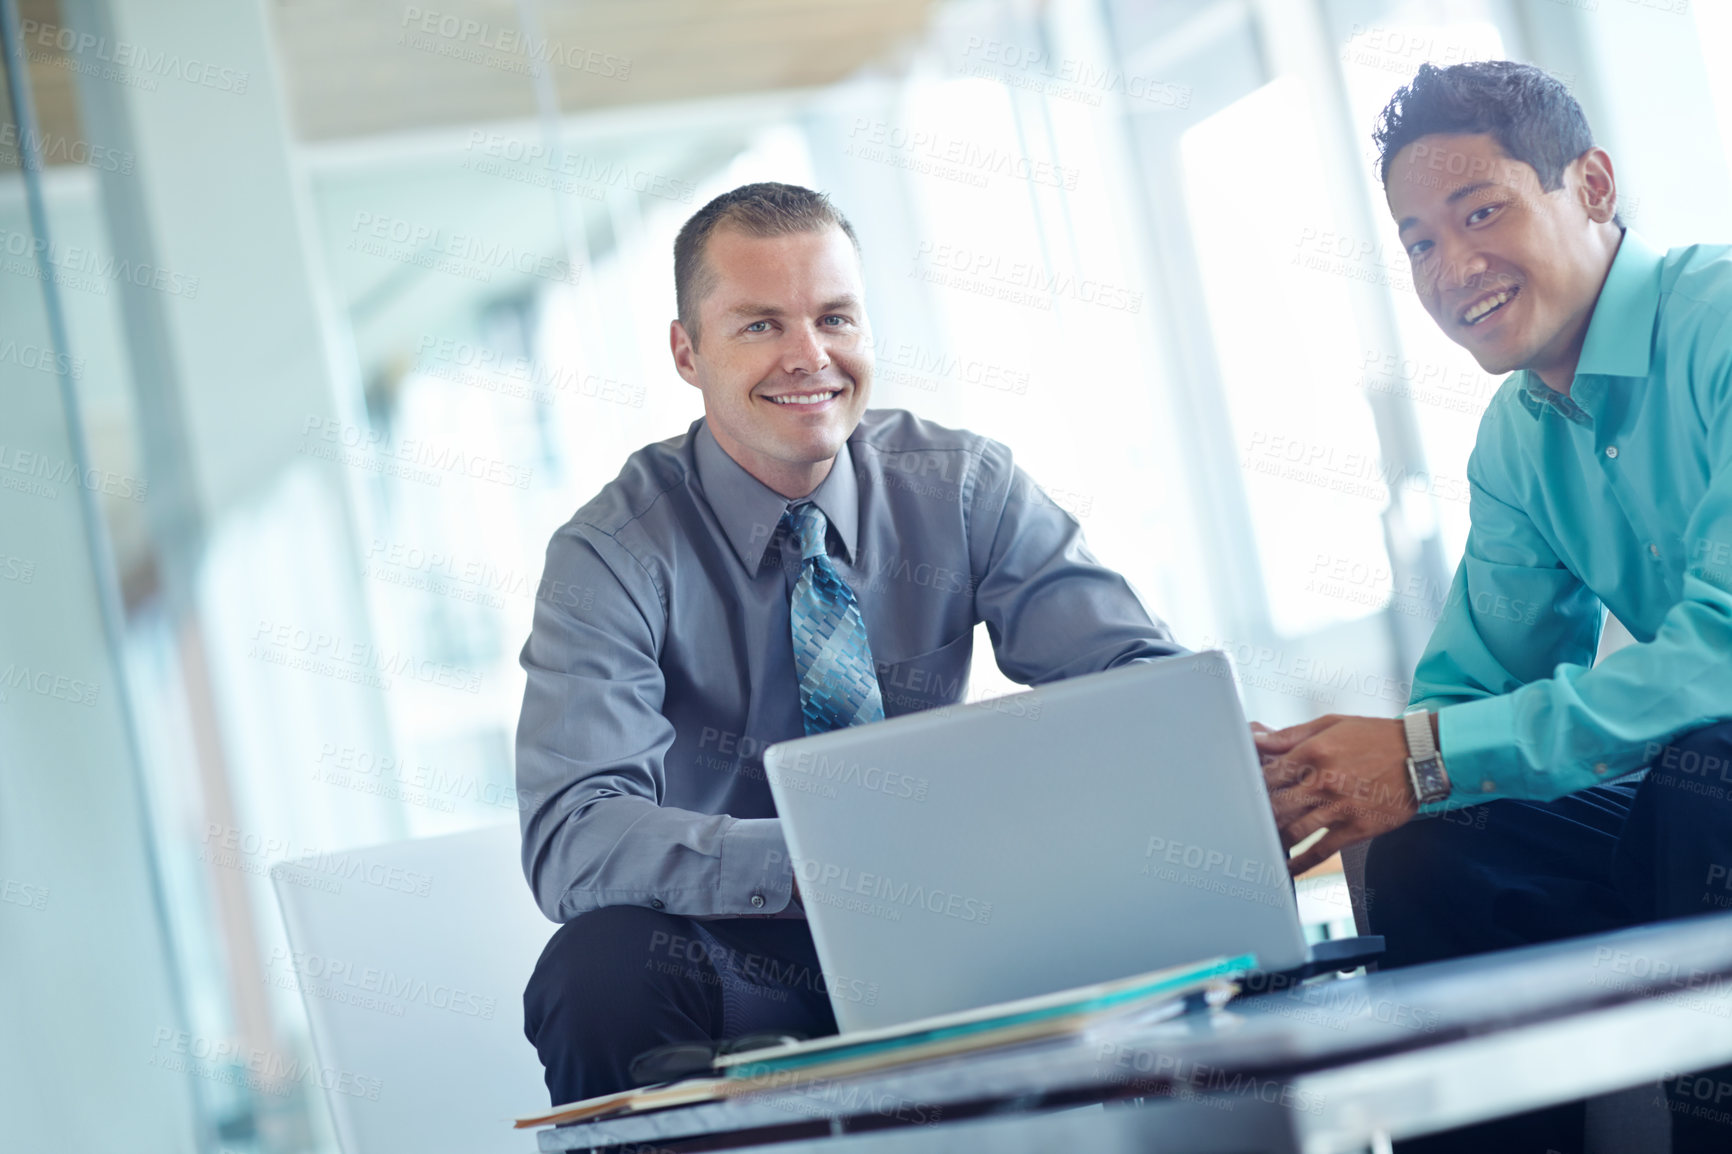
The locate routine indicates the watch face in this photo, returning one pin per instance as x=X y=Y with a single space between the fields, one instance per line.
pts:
x=1428 y=776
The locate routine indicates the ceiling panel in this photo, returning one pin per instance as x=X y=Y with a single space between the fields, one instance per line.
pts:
x=51 y=90
x=361 y=68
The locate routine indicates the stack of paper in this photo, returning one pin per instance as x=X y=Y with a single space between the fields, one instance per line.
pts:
x=946 y=1035
x=636 y=1101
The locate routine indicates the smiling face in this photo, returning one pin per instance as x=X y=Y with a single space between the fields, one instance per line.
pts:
x=1508 y=270
x=785 y=363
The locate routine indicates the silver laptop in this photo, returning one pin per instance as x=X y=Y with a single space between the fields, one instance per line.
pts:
x=1087 y=830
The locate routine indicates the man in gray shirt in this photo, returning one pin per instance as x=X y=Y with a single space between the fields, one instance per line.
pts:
x=791 y=563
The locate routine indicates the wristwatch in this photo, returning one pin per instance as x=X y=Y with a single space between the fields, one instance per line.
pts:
x=1424 y=763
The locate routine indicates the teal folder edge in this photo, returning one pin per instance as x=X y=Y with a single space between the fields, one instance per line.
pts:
x=1186 y=981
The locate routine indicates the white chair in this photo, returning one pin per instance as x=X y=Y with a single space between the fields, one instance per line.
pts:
x=411 y=958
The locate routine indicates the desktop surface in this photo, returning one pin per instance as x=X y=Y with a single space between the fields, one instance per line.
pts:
x=1405 y=1052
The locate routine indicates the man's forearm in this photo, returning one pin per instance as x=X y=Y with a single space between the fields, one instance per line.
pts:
x=630 y=851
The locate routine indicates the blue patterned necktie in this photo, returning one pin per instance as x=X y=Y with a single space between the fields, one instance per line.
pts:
x=838 y=684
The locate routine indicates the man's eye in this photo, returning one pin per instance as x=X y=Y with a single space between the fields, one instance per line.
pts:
x=1418 y=248
x=758 y=327
x=835 y=321
x=1481 y=214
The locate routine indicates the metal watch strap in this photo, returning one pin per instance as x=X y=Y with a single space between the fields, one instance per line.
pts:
x=1420 y=745
x=1424 y=764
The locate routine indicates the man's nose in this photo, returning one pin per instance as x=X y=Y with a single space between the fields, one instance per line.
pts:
x=804 y=351
x=1462 y=265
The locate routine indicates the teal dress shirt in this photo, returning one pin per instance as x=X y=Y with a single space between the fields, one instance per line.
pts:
x=1617 y=497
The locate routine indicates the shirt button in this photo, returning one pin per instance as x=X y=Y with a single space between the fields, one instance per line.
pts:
x=1487 y=786
x=657 y=904
x=1612 y=452
x=1602 y=767
x=757 y=901
x=1653 y=549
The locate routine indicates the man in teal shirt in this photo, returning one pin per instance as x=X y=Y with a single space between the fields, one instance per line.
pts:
x=1601 y=481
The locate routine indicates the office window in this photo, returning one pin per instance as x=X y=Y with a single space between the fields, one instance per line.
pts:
x=1289 y=352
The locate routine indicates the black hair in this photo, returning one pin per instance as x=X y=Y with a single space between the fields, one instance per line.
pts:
x=1527 y=110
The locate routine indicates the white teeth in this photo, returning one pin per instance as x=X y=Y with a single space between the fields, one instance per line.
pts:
x=803 y=398
x=1485 y=306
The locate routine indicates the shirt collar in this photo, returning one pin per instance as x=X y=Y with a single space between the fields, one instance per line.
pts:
x=1539 y=396
x=838 y=495
x=750 y=510
x=1620 y=336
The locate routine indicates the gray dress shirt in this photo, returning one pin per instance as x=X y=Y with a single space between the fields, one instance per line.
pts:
x=660 y=663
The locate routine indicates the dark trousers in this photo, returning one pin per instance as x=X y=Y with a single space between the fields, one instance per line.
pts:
x=1515 y=873
x=620 y=980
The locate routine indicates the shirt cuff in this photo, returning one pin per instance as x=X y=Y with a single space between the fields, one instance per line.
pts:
x=1478 y=744
x=757 y=875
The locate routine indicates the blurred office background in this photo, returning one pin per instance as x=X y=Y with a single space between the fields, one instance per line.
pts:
x=322 y=315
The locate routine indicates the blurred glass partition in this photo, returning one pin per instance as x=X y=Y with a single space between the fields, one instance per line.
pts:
x=85 y=952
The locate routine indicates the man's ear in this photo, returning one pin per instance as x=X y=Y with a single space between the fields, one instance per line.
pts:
x=1599 y=185
x=685 y=351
